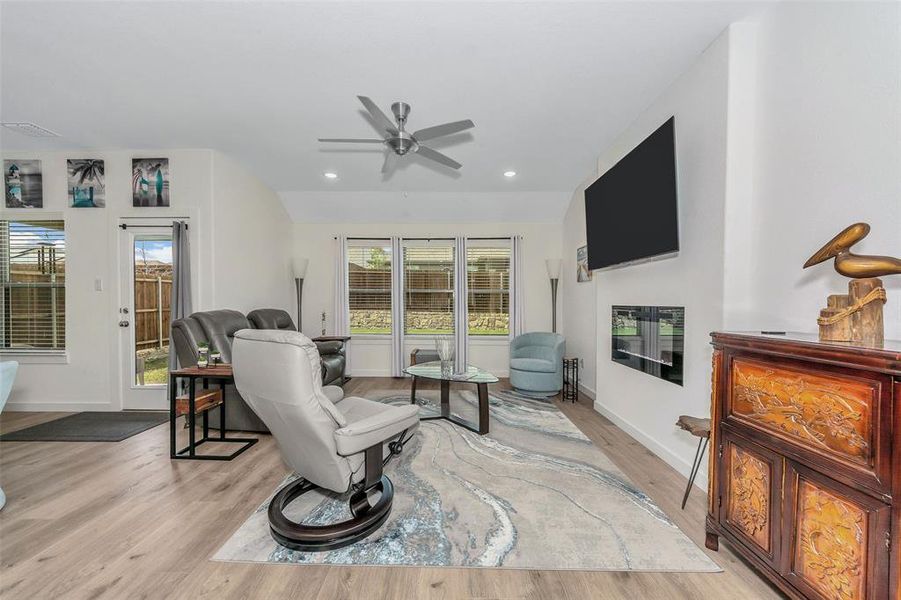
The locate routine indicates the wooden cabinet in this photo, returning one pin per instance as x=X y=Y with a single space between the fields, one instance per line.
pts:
x=805 y=480
x=752 y=485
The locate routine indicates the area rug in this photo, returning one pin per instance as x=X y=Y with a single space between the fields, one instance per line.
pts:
x=90 y=427
x=534 y=493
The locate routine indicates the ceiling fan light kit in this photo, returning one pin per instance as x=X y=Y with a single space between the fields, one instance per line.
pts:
x=399 y=142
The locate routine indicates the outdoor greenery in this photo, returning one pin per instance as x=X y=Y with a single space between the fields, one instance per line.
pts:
x=156 y=365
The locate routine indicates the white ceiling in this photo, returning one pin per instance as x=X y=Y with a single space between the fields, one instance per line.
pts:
x=548 y=85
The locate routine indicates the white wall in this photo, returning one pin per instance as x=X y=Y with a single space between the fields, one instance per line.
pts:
x=231 y=263
x=253 y=241
x=372 y=357
x=787 y=130
x=579 y=300
x=827 y=154
x=89 y=380
x=646 y=406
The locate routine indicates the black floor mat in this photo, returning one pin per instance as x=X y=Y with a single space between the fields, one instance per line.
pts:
x=90 y=427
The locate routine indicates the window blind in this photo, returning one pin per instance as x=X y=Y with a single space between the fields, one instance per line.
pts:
x=488 y=279
x=428 y=289
x=369 y=287
x=33 y=279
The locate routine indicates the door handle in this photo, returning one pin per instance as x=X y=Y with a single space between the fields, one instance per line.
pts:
x=123 y=323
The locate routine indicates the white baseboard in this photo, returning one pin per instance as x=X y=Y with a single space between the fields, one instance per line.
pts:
x=587 y=391
x=673 y=460
x=58 y=406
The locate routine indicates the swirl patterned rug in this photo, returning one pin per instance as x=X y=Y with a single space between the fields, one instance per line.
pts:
x=535 y=493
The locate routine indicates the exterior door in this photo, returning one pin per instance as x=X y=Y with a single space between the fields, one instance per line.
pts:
x=144 y=316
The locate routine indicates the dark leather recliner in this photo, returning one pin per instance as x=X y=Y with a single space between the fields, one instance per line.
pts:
x=218 y=327
x=331 y=354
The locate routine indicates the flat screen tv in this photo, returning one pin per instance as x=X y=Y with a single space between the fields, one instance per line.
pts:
x=631 y=212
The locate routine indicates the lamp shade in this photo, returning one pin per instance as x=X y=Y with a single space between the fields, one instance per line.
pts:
x=553 y=267
x=300 y=267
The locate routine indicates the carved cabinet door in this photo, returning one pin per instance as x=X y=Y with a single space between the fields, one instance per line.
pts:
x=836 y=546
x=750 y=492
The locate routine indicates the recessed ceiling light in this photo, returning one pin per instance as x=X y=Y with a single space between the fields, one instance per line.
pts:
x=509 y=173
x=330 y=175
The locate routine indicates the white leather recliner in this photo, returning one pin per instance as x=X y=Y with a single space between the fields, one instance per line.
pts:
x=332 y=442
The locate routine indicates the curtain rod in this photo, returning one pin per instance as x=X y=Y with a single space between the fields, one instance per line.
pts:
x=126 y=226
x=420 y=239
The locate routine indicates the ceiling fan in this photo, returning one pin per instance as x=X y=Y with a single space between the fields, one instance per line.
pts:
x=399 y=141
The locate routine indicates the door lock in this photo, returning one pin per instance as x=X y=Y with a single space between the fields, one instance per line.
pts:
x=123 y=323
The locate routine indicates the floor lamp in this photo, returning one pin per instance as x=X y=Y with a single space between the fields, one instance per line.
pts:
x=553 y=271
x=300 y=271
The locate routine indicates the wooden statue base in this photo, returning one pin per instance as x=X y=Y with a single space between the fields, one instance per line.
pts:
x=855 y=316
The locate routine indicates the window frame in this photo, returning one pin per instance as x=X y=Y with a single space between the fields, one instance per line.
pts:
x=22 y=354
x=375 y=242
x=491 y=244
x=447 y=243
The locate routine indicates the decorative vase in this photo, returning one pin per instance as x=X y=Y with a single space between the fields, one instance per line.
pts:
x=445 y=349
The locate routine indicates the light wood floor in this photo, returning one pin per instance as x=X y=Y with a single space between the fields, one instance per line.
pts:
x=120 y=520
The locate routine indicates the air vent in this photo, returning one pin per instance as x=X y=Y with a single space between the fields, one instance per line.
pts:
x=30 y=129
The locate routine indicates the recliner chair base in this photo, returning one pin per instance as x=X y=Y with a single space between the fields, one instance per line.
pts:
x=367 y=518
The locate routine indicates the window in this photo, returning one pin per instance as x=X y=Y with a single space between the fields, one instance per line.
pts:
x=33 y=281
x=488 y=280
x=369 y=287
x=429 y=288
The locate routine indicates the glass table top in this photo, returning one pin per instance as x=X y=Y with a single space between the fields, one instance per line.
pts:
x=432 y=370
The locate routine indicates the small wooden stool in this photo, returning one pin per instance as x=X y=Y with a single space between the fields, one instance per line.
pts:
x=701 y=428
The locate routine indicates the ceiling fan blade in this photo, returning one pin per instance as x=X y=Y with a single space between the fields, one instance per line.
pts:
x=447 y=161
x=352 y=140
x=390 y=161
x=444 y=129
x=384 y=123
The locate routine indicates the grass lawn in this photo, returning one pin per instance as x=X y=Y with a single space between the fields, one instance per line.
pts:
x=427 y=332
x=156 y=365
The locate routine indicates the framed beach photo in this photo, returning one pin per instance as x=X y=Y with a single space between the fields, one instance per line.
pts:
x=583 y=274
x=86 y=183
x=23 y=183
x=150 y=181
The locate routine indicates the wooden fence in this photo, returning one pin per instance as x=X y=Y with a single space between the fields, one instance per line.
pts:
x=428 y=290
x=37 y=309
x=152 y=312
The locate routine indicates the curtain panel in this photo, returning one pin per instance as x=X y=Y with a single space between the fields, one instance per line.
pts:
x=180 y=299
x=342 y=307
x=461 y=305
x=397 y=307
x=517 y=297
x=181 y=281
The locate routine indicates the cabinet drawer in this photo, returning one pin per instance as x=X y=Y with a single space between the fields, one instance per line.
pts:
x=836 y=543
x=751 y=480
x=831 y=417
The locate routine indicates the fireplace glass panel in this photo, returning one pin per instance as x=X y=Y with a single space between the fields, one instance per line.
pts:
x=650 y=339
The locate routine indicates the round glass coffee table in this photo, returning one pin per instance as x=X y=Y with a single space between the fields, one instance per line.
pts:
x=474 y=375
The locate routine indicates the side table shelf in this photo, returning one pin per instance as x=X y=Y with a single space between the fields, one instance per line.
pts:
x=201 y=402
x=570 y=378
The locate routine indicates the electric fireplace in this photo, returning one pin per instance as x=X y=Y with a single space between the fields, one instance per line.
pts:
x=650 y=339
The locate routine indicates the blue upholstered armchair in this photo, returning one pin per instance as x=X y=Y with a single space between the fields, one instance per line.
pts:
x=536 y=363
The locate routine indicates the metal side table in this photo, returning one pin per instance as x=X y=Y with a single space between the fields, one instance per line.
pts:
x=570 y=378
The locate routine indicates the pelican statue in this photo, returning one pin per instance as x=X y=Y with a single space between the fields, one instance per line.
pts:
x=851 y=265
